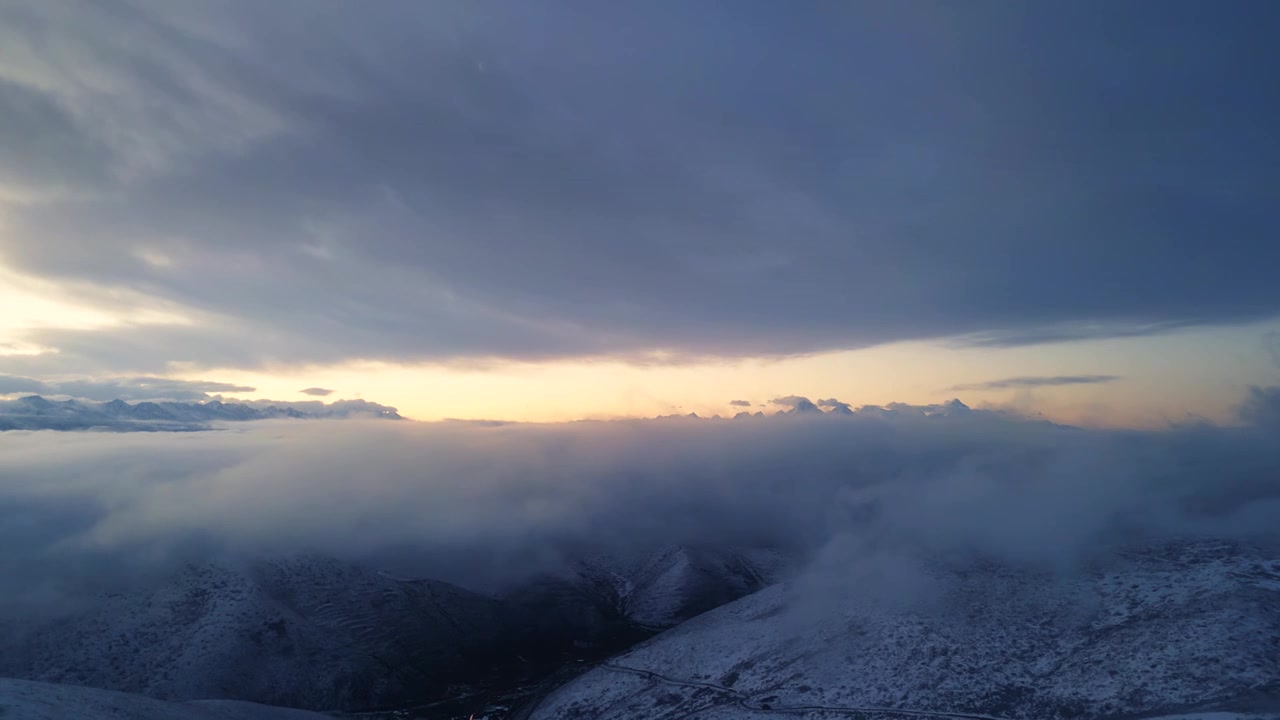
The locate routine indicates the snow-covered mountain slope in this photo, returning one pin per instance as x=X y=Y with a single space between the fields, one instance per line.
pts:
x=674 y=583
x=37 y=413
x=306 y=633
x=1218 y=716
x=26 y=700
x=651 y=590
x=1175 y=629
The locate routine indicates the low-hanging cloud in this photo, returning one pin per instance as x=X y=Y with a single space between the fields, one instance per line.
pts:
x=316 y=391
x=740 y=403
x=483 y=505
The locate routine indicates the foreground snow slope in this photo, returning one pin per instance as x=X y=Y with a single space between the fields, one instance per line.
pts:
x=1175 y=629
x=26 y=700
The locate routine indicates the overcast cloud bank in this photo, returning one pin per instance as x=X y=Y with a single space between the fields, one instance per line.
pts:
x=446 y=180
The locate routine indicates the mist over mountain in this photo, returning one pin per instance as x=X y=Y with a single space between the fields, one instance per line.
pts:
x=480 y=504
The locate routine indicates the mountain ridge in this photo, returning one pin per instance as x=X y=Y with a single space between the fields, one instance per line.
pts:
x=35 y=412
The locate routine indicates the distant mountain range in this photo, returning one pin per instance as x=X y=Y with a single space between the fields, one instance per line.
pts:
x=38 y=413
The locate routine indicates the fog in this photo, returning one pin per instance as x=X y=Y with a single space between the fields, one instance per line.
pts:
x=485 y=505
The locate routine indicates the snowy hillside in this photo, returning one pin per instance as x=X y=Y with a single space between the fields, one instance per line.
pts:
x=605 y=595
x=1182 y=628
x=37 y=413
x=301 y=633
x=24 y=700
x=674 y=583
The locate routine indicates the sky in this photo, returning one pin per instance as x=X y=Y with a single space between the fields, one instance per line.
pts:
x=569 y=210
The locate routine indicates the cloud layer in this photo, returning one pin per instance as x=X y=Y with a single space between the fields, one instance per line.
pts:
x=485 y=505
x=133 y=388
x=1262 y=407
x=463 y=179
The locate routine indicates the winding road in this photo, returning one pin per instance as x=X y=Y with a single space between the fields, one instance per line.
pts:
x=746 y=703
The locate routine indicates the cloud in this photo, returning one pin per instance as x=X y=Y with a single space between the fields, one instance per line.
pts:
x=334 y=408
x=132 y=388
x=791 y=401
x=740 y=403
x=10 y=384
x=1036 y=382
x=836 y=405
x=798 y=405
x=1262 y=407
x=321 y=392
x=1072 y=331
x=485 y=505
x=546 y=195
x=1272 y=342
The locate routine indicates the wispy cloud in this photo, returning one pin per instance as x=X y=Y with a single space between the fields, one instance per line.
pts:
x=1036 y=382
x=130 y=388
